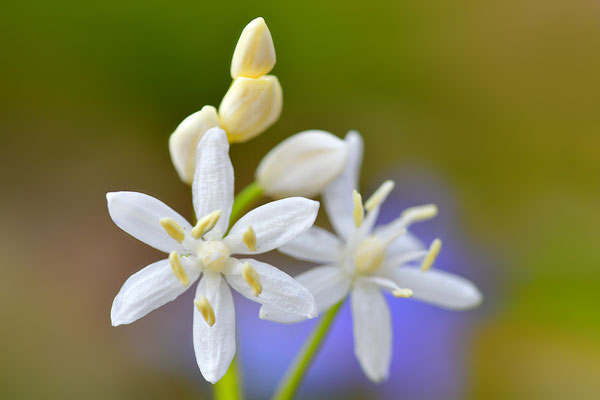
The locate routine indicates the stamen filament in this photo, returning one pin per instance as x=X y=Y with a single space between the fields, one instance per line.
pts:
x=434 y=250
x=249 y=239
x=178 y=268
x=205 y=309
x=173 y=229
x=252 y=279
x=380 y=195
x=205 y=224
x=359 y=212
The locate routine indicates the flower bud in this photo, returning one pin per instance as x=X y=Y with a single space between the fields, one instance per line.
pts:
x=250 y=106
x=184 y=141
x=254 y=54
x=302 y=165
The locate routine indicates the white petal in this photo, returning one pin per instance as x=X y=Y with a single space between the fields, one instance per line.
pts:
x=338 y=195
x=274 y=224
x=438 y=287
x=316 y=244
x=214 y=345
x=148 y=289
x=302 y=165
x=279 y=290
x=139 y=215
x=407 y=243
x=328 y=284
x=213 y=179
x=372 y=330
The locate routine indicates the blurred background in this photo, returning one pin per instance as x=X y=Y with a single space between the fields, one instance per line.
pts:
x=487 y=108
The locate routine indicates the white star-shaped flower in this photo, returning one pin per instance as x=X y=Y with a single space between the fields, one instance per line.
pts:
x=362 y=261
x=202 y=251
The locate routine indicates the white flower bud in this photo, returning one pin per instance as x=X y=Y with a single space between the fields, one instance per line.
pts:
x=254 y=54
x=184 y=141
x=302 y=165
x=250 y=106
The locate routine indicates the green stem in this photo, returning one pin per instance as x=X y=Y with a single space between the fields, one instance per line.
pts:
x=295 y=374
x=244 y=200
x=229 y=387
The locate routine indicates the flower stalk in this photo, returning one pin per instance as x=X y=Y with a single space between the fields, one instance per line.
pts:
x=295 y=374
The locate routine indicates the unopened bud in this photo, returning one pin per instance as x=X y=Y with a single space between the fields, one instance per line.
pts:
x=254 y=54
x=184 y=141
x=250 y=106
x=302 y=165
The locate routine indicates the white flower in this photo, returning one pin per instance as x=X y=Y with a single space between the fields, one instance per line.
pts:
x=254 y=54
x=362 y=261
x=250 y=106
x=302 y=165
x=184 y=140
x=202 y=251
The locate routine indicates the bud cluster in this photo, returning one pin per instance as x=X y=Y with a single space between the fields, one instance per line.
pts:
x=251 y=105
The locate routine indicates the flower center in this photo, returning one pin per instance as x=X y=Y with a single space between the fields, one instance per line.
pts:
x=369 y=255
x=213 y=254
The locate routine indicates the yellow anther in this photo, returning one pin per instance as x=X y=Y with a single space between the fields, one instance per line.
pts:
x=380 y=195
x=249 y=239
x=434 y=250
x=205 y=224
x=173 y=229
x=252 y=279
x=420 y=213
x=205 y=309
x=402 y=293
x=359 y=211
x=178 y=268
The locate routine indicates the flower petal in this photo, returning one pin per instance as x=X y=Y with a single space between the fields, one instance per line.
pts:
x=328 y=284
x=214 y=345
x=279 y=290
x=316 y=244
x=274 y=224
x=213 y=180
x=372 y=330
x=148 y=289
x=437 y=287
x=407 y=243
x=139 y=215
x=337 y=197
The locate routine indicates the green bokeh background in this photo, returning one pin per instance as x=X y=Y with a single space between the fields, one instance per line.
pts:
x=500 y=98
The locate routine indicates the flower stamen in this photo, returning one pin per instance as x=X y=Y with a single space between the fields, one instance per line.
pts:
x=380 y=195
x=359 y=211
x=252 y=279
x=249 y=239
x=205 y=224
x=178 y=268
x=419 y=213
x=205 y=309
x=434 y=250
x=173 y=229
x=403 y=293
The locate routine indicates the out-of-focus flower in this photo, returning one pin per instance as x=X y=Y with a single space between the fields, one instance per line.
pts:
x=184 y=141
x=254 y=54
x=202 y=251
x=362 y=261
x=250 y=106
x=302 y=165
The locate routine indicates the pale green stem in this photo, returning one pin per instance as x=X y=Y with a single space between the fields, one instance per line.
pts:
x=293 y=378
x=229 y=387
